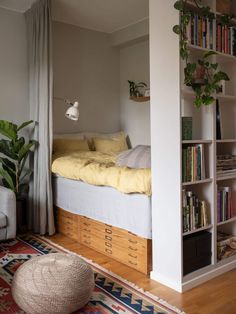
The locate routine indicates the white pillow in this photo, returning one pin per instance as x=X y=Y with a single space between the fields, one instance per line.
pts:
x=138 y=157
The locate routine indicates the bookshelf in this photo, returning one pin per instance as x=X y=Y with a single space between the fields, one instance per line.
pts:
x=169 y=173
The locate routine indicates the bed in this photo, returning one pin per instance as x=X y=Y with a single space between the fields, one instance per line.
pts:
x=108 y=216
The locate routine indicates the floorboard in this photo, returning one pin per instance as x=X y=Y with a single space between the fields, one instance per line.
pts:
x=217 y=296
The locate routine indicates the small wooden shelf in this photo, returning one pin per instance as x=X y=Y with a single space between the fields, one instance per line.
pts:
x=140 y=99
x=226 y=141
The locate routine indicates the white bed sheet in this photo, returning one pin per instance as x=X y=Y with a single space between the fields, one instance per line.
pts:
x=131 y=212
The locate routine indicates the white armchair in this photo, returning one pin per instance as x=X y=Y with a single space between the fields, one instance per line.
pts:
x=7 y=214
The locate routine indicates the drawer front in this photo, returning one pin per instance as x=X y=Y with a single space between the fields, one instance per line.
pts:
x=67 y=224
x=117 y=236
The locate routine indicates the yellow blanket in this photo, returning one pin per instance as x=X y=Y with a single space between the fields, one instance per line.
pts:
x=99 y=169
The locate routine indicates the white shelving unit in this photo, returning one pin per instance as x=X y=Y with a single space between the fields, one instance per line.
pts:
x=170 y=101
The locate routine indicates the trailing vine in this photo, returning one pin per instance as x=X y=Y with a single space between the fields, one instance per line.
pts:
x=212 y=76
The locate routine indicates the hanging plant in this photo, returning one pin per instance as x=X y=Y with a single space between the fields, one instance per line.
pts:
x=203 y=76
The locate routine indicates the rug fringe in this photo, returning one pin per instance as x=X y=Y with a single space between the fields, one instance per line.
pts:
x=132 y=285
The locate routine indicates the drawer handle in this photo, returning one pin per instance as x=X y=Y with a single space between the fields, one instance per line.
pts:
x=87 y=242
x=110 y=226
x=108 y=244
x=86 y=224
x=108 y=238
x=87 y=236
x=135 y=264
x=87 y=230
x=133 y=249
x=134 y=242
x=108 y=251
x=133 y=256
x=108 y=231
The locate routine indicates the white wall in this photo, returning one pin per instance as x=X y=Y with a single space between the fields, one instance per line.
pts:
x=14 y=104
x=135 y=116
x=86 y=67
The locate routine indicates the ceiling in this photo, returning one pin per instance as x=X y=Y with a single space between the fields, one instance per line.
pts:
x=101 y=15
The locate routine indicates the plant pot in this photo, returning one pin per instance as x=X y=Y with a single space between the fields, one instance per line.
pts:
x=21 y=215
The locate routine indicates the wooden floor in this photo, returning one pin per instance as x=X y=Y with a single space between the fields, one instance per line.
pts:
x=217 y=296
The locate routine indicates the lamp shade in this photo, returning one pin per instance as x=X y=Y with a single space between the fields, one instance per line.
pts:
x=72 y=112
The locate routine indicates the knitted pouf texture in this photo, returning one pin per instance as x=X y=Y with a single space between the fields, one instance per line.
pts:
x=53 y=283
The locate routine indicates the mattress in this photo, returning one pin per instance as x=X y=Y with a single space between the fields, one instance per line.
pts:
x=131 y=212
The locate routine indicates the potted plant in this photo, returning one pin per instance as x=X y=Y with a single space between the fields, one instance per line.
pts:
x=203 y=76
x=14 y=150
x=134 y=88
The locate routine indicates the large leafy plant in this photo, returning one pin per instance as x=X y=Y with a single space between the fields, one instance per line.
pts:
x=14 y=151
x=212 y=76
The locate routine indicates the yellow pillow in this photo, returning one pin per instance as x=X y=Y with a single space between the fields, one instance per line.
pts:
x=62 y=145
x=110 y=145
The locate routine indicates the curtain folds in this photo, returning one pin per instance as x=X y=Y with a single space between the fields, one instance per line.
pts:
x=38 y=20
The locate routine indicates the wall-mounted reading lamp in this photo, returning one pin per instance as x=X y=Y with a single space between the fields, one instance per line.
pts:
x=72 y=112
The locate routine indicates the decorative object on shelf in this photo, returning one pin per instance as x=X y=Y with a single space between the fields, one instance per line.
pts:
x=15 y=153
x=223 y=6
x=136 y=89
x=72 y=112
x=140 y=98
x=187 y=126
x=207 y=84
x=147 y=92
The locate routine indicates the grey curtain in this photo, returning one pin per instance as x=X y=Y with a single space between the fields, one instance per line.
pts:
x=38 y=20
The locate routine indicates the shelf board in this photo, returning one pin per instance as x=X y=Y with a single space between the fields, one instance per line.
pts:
x=223 y=176
x=226 y=97
x=140 y=99
x=226 y=221
x=197 y=182
x=220 y=56
x=197 y=142
x=198 y=230
x=226 y=141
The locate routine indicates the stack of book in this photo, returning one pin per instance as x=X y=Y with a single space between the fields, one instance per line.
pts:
x=201 y=30
x=195 y=212
x=226 y=164
x=193 y=163
x=224 y=204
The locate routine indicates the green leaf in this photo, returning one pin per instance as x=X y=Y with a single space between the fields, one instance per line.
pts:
x=214 y=66
x=7 y=177
x=179 y=5
x=176 y=29
x=23 y=125
x=8 y=129
x=18 y=144
x=209 y=53
x=8 y=165
x=26 y=148
x=6 y=148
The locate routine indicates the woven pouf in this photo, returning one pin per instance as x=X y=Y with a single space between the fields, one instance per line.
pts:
x=53 y=283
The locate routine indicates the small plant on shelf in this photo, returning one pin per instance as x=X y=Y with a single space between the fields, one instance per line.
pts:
x=135 y=88
x=203 y=76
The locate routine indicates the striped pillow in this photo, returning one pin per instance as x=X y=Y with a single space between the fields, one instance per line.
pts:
x=138 y=157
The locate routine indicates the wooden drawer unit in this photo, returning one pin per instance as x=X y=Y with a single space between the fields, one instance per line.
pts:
x=117 y=243
x=120 y=244
x=67 y=224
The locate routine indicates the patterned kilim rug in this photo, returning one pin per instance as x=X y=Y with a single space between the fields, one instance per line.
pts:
x=111 y=294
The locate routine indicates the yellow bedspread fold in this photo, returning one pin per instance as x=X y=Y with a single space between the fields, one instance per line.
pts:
x=99 y=169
